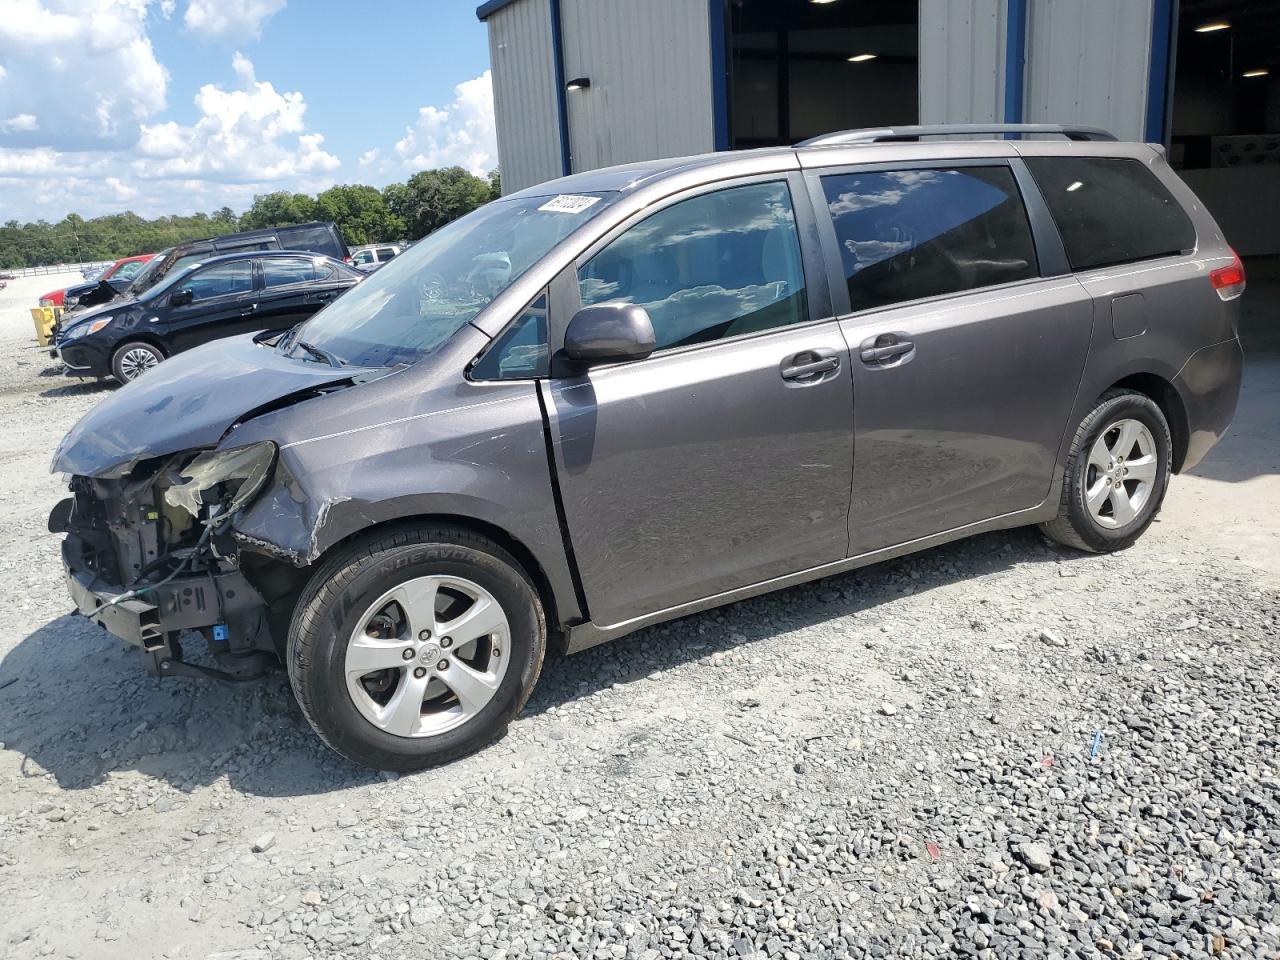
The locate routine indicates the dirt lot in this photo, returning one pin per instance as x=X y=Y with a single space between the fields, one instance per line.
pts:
x=997 y=748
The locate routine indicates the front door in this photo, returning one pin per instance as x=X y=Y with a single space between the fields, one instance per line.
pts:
x=724 y=459
x=966 y=360
x=223 y=304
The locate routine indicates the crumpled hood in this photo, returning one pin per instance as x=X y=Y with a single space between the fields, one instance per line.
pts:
x=186 y=402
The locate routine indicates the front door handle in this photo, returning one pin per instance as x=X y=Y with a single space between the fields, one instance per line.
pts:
x=885 y=349
x=249 y=310
x=809 y=366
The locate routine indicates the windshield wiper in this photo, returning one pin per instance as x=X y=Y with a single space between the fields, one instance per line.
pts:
x=320 y=353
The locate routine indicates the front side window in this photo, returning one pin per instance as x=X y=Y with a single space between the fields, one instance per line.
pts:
x=362 y=257
x=220 y=280
x=909 y=234
x=520 y=352
x=1111 y=210
x=718 y=265
x=421 y=298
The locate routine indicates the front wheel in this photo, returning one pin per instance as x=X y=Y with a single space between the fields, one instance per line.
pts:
x=415 y=648
x=131 y=360
x=1117 y=474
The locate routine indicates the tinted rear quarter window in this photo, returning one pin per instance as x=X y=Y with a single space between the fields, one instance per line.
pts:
x=909 y=234
x=1111 y=210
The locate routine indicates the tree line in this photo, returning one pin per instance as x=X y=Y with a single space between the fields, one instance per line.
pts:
x=400 y=211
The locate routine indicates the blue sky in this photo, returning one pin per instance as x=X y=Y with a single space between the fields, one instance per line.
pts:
x=169 y=106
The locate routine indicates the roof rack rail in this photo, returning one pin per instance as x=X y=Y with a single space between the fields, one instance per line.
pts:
x=910 y=133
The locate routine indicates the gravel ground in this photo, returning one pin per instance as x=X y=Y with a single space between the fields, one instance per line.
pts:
x=998 y=748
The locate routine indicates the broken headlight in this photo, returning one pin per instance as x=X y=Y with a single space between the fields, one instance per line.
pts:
x=233 y=476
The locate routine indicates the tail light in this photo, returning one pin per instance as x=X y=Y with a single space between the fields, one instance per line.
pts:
x=1229 y=280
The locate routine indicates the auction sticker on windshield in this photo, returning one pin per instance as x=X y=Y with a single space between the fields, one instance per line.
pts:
x=568 y=203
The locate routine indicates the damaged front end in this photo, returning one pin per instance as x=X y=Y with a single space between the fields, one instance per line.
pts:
x=149 y=554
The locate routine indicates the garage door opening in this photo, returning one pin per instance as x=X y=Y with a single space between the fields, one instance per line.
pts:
x=799 y=68
x=1226 y=115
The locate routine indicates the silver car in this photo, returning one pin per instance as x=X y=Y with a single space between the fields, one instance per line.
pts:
x=632 y=394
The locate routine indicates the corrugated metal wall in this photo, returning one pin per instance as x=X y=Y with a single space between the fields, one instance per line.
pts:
x=524 y=94
x=962 y=50
x=1087 y=62
x=650 y=68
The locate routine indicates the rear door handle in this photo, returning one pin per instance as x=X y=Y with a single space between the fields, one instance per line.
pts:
x=885 y=348
x=808 y=366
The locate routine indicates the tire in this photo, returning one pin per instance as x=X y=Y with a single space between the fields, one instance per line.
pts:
x=128 y=362
x=1091 y=468
x=336 y=631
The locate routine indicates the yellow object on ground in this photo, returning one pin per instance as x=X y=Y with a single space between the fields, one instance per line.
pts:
x=45 y=318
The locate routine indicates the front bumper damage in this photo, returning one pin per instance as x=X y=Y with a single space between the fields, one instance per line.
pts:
x=152 y=575
x=219 y=605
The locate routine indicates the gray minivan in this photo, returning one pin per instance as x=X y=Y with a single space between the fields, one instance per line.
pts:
x=632 y=394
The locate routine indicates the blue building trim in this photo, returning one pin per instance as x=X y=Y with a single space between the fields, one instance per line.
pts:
x=716 y=13
x=486 y=10
x=1015 y=60
x=562 y=95
x=1162 y=19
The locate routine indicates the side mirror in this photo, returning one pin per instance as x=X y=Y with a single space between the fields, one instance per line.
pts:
x=609 y=333
x=181 y=298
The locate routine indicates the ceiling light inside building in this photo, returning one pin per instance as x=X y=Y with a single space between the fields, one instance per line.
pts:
x=822 y=2
x=1213 y=26
x=862 y=57
x=1256 y=73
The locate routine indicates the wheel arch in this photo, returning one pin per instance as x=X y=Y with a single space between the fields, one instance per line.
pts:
x=150 y=339
x=1163 y=393
x=528 y=560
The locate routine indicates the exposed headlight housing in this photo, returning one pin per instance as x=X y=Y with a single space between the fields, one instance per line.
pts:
x=241 y=470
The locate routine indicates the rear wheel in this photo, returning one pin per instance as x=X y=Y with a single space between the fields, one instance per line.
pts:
x=415 y=648
x=131 y=360
x=1117 y=474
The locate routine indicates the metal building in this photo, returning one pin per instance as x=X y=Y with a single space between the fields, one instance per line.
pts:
x=580 y=84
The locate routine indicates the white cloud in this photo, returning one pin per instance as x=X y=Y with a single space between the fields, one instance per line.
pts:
x=253 y=133
x=21 y=122
x=230 y=19
x=459 y=134
x=249 y=139
x=86 y=68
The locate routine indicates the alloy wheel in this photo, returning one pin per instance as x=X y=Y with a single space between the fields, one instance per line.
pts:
x=136 y=362
x=427 y=656
x=1121 y=472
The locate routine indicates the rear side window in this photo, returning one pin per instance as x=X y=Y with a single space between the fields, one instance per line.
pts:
x=385 y=254
x=909 y=234
x=281 y=271
x=315 y=239
x=718 y=265
x=1111 y=211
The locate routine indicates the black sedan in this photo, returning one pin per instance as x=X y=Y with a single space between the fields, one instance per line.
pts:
x=218 y=297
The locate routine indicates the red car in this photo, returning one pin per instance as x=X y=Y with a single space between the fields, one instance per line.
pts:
x=120 y=274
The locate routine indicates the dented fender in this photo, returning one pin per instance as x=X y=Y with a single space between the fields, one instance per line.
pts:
x=472 y=454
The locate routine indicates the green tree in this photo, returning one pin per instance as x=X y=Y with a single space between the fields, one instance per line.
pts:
x=432 y=198
x=361 y=213
x=279 y=209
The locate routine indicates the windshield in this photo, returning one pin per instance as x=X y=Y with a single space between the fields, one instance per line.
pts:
x=426 y=294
